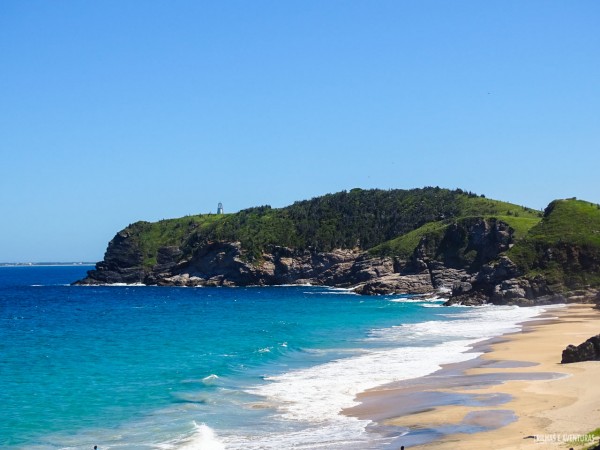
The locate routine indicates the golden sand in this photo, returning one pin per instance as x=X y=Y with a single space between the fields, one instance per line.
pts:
x=550 y=412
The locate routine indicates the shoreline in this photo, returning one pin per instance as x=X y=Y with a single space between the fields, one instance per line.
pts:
x=515 y=395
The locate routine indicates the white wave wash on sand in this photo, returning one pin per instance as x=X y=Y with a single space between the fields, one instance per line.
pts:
x=315 y=396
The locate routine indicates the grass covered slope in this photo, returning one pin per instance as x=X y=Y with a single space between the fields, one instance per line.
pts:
x=564 y=247
x=404 y=246
x=149 y=237
x=360 y=219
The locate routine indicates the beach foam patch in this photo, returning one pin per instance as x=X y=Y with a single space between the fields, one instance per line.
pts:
x=202 y=437
x=317 y=395
x=478 y=324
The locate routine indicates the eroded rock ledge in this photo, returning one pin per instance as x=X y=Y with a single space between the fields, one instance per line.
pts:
x=479 y=273
x=501 y=283
x=223 y=264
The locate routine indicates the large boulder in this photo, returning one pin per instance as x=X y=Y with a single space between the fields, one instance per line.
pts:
x=357 y=269
x=397 y=284
x=443 y=277
x=467 y=298
x=588 y=351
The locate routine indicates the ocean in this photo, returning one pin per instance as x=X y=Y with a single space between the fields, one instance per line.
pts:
x=141 y=367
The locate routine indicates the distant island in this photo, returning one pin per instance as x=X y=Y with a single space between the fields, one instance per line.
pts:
x=425 y=241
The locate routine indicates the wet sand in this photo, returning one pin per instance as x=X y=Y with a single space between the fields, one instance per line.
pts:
x=516 y=395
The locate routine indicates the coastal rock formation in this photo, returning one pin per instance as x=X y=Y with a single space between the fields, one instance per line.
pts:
x=502 y=283
x=467 y=244
x=375 y=242
x=588 y=351
x=397 y=284
x=122 y=262
x=224 y=264
x=218 y=263
x=445 y=278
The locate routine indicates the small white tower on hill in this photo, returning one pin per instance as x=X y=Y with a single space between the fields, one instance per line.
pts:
x=220 y=208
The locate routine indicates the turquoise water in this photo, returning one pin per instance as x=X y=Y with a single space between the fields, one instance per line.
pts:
x=155 y=367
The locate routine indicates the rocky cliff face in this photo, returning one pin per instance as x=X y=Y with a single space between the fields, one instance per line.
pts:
x=122 y=263
x=503 y=283
x=468 y=260
x=468 y=244
x=225 y=264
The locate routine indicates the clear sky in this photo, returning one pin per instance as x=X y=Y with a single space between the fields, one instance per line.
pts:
x=118 y=111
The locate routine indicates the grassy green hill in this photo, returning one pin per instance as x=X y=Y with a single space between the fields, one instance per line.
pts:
x=565 y=246
x=404 y=246
x=360 y=219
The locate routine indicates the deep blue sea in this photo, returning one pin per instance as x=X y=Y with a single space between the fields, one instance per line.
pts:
x=140 y=367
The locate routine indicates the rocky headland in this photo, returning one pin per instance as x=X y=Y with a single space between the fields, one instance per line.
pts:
x=472 y=259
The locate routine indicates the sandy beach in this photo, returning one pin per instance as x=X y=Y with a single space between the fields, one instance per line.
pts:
x=516 y=395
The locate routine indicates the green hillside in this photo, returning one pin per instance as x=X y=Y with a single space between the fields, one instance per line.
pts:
x=150 y=236
x=360 y=219
x=565 y=246
x=403 y=246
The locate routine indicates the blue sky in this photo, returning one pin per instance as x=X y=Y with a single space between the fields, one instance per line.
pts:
x=118 y=111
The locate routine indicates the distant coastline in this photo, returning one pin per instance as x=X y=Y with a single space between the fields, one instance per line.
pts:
x=46 y=264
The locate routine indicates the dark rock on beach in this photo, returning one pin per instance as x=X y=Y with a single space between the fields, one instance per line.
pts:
x=588 y=351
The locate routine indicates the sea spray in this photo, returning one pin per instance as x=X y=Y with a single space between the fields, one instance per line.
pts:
x=203 y=438
x=210 y=380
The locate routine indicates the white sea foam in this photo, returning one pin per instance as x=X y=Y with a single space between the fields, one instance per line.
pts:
x=476 y=324
x=436 y=298
x=201 y=438
x=333 y=288
x=328 y=292
x=343 y=433
x=417 y=300
x=316 y=395
x=210 y=380
x=331 y=293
